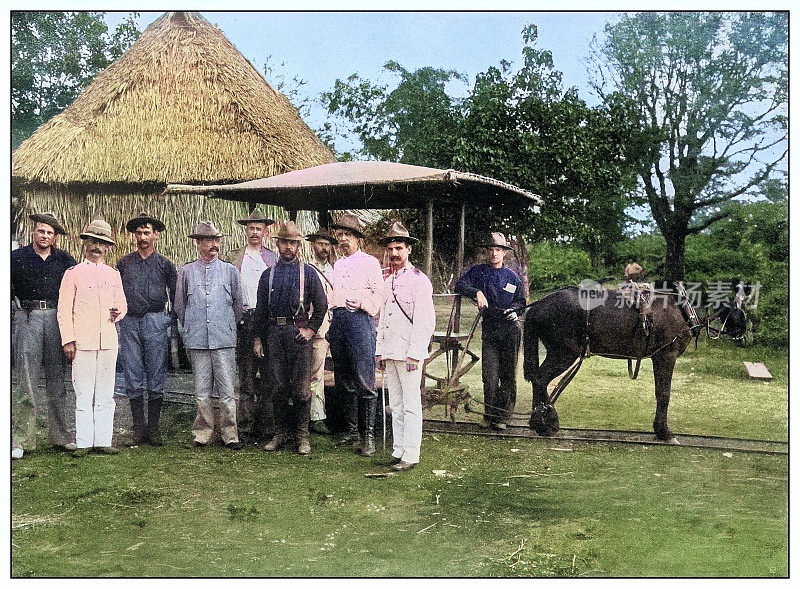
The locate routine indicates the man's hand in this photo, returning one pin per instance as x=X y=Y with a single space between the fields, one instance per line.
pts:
x=411 y=364
x=482 y=302
x=69 y=351
x=353 y=305
x=113 y=313
x=510 y=314
x=258 y=349
x=306 y=333
x=380 y=362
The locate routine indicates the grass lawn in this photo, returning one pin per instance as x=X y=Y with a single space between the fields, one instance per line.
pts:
x=474 y=506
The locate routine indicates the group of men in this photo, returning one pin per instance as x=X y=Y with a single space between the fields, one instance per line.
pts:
x=255 y=314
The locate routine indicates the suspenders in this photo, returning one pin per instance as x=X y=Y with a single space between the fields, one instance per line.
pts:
x=302 y=290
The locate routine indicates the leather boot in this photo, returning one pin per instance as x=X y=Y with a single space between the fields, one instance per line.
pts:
x=153 y=417
x=137 y=415
x=369 y=408
x=303 y=409
x=350 y=418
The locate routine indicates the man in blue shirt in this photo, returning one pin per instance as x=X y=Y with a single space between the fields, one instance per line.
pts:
x=291 y=305
x=498 y=292
x=148 y=279
x=36 y=273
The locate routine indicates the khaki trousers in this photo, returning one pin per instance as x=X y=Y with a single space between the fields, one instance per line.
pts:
x=215 y=370
x=320 y=351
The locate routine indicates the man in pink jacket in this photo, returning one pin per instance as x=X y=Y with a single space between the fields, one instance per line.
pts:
x=90 y=303
x=404 y=335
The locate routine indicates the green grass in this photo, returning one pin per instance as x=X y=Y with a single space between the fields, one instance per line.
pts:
x=474 y=507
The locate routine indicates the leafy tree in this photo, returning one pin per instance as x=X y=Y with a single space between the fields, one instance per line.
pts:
x=54 y=56
x=709 y=93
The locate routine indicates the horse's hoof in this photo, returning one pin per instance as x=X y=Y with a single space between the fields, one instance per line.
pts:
x=544 y=420
x=673 y=441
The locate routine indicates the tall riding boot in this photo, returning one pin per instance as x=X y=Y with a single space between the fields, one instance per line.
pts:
x=303 y=409
x=350 y=417
x=137 y=415
x=369 y=408
x=153 y=416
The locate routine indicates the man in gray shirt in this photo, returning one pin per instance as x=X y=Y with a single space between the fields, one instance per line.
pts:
x=208 y=302
x=148 y=279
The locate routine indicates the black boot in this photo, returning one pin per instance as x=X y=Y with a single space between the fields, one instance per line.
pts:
x=137 y=416
x=350 y=417
x=153 y=417
x=303 y=419
x=369 y=408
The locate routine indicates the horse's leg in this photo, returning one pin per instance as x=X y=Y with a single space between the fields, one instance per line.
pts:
x=663 y=366
x=544 y=418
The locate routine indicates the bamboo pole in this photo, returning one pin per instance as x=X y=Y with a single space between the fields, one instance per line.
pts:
x=429 y=239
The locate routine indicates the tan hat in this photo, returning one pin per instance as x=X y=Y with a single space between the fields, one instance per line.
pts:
x=50 y=219
x=497 y=239
x=397 y=232
x=634 y=271
x=256 y=217
x=322 y=234
x=144 y=219
x=349 y=222
x=206 y=229
x=289 y=231
x=98 y=229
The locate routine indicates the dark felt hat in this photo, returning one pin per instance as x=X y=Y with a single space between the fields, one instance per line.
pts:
x=349 y=222
x=289 y=231
x=50 y=219
x=144 y=219
x=256 y=217
x=497 y=239
x=322 y=234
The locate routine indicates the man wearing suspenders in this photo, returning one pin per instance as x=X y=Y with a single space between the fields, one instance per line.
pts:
x=290 y=307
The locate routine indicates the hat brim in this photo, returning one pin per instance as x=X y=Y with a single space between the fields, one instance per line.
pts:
x=352 y=230
x=329 y=238
x=198 y=236
x=505 y=247
x=48 y=220
x=298 y=238
x=108 y=240
x=387 y=240
x=132 y=225
x=245 y=222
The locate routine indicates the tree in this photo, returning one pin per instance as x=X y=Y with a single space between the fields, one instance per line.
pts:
x=709 y=97
x=54 y=56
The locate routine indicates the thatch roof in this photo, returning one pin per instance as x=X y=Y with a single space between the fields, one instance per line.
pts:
x=182 y=105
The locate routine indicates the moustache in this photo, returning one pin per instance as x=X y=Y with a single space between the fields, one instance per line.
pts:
x=213 y=248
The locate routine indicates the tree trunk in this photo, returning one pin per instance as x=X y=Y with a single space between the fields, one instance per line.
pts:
x=676 y=257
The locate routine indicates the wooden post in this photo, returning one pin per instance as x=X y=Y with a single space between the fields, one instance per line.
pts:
x=429 y=238
x=293 y=215
x=459 y=266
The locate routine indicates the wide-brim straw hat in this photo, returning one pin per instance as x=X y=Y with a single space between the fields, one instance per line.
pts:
x=289 y=231
x=397 y=232
x=497 y=239
x=322 y=234
x=349 y=222
x=144 y=219
x=206 y=229
x=98 y=229
x=256 y=217
x=50 y=219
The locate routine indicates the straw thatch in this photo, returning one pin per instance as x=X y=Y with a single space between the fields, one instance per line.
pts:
x=182 y=105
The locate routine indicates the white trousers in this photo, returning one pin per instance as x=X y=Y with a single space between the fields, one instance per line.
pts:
x=93 y=373
x=320 y=350
x=405 y=402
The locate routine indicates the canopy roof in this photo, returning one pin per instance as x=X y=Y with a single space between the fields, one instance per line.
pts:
x=367 y=185
x=181 y=105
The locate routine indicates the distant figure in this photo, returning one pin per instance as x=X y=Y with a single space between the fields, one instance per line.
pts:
x=637 y=294
x=36 y=273
x=498 y=292
x=91 y=302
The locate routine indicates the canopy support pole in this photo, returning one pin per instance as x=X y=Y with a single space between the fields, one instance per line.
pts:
x=429 y=239
x=459 y=265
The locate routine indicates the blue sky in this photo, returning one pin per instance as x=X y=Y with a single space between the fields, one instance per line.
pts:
x=320 y=47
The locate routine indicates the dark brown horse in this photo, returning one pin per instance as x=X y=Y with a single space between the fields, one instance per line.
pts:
x=575 y=322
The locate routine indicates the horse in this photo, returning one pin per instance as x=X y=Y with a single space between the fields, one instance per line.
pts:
x=575 y=322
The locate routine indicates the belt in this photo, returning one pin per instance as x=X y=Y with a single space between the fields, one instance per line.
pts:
x=281 y=320
x=38 y=305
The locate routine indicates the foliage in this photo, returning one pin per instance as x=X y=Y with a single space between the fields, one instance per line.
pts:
x=709 y=90
x=517 y=126
x=554 y=265
x=54 y=56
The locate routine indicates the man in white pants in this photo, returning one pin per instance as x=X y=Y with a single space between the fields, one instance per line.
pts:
x=90 y=304
x=405 y=328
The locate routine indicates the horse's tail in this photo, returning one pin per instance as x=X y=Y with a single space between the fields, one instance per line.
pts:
x=530 y=363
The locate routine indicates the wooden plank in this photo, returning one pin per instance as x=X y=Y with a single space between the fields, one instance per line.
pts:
x=757 y=370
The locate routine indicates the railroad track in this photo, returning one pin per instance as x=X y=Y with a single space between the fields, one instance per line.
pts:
x=521 y=430
x=614 y=436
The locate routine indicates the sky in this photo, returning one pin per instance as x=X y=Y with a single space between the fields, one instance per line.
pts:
x=320 y=47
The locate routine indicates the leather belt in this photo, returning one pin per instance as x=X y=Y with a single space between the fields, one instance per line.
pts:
x=281 y=320
x=38 y=305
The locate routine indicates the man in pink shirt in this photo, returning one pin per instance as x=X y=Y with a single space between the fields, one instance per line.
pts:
x=90 y=303
x=356 y=299
x=404 y=335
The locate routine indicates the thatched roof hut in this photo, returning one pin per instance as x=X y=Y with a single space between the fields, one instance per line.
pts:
x=182 y=105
